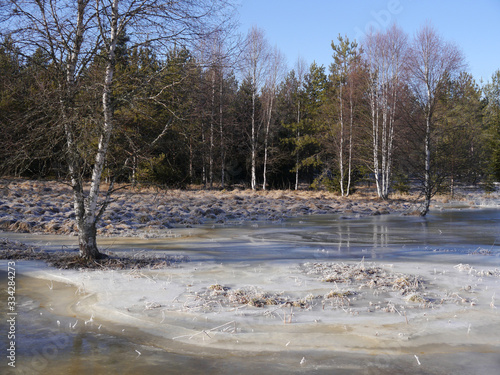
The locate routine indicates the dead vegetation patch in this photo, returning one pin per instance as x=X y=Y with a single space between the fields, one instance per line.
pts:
x=361 y=275
x=45 y=207
x=70 y=259
x=217 y=296
x=348 y=292
x=250 y=296
x=478 y=273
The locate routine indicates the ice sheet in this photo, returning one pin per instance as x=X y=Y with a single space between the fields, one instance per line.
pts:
x=202 y=308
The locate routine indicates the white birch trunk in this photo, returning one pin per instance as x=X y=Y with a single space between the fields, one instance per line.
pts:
x=76 y=183
x=297 y=147
x=203 y=158
x=212 y=124
x=87 y=236
x=266 y=140
x=383 y=151
x=375 y=135
x=221 y=129
x=341 y=150
x=427 y=177
x=390 y=145
x=253 y=140
x=264 y=182
x=351 y=125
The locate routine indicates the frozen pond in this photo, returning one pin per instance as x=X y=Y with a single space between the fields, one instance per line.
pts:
x=175 y=321
x=457 y=232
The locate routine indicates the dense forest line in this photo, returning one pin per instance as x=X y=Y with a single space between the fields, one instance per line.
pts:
x=179 y=121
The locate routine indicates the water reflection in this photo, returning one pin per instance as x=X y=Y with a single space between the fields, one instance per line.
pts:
x=460 y=231
x=314 y=237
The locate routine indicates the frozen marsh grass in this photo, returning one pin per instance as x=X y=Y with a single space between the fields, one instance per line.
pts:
x=45 y=207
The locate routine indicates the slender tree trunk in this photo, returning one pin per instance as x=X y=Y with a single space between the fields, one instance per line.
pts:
x=266 y=140
x=297 y=154
x=427 y=172
x=427 y=177
x=73 y=157
x=351 y=125
x=256 y=58
x=203 y=158
x=375 y=136
x=211 y=146
x=264 y=183
x=87 y=227
x=385 y=120
x=390 y=146
x=191 y=157
x=134 y=169
x=253 y=182
x=221 y=128
x=297 y=166
x=341 y=151
x=85 y=207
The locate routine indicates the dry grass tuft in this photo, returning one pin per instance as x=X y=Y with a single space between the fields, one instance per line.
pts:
x=219 y=295
x=361 y=276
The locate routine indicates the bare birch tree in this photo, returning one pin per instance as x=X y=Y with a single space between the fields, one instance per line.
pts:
x=431 y=61
x=217 y=54
x=275 y=74
x=212 y=57
x=75 y=33
x=346 y=59
x=300 y=68
x=255 y=60
x=385 y=54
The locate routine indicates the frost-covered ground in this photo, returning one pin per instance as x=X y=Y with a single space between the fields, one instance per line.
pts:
x=46 y=207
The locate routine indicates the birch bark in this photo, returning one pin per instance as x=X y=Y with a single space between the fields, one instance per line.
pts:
x=385 y=54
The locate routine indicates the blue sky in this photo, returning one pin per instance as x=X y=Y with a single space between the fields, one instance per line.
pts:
x=306 y=28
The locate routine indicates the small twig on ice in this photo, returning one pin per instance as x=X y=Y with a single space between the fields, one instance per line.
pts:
x=417 y=360
x=206 y=332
